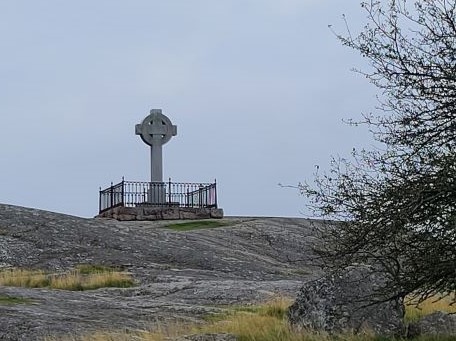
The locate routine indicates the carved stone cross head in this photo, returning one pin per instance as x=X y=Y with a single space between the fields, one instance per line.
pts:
x=156 y=129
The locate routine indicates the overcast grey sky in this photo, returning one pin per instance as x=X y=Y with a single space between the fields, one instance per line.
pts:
x=257 y=88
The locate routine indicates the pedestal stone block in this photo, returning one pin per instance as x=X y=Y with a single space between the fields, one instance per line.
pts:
x=161 y=213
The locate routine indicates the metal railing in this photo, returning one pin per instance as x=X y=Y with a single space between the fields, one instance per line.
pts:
x=136 y=193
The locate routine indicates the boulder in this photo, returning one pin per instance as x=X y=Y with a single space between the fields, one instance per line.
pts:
x=348 y=302
x=435 y=324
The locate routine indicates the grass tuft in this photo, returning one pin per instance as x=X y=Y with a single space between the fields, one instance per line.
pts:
x=24 y=278
x=76 y=280
x=196 y=225
x=276 y=308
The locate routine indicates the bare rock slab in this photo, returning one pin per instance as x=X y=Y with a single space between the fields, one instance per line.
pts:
x=179 y=275
x=347 y=303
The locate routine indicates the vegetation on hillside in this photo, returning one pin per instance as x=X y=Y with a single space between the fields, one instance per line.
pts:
x=264 y=322
x=415 y=309
x=84 y=277
x=397 y=203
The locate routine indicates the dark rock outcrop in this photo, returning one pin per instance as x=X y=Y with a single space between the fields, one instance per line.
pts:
x=347 y=303
x=435 y=324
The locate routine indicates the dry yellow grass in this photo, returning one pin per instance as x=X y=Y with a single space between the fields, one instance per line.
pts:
x=252 y=327
x=161 y=333
x=264 y=322
x=74 y=280
x=433 y=304
x=24 y=278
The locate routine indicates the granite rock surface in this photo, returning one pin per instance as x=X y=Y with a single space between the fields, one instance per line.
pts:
x=348 y=302
x=179 y=275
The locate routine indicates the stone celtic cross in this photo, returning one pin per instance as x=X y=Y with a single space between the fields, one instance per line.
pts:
x=156 y=130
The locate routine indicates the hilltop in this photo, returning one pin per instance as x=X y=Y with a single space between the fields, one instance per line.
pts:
x=178 y=274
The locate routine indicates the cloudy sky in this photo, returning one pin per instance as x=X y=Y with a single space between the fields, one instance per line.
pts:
x=257 y=88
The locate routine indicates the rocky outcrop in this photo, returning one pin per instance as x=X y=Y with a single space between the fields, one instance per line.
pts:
x=435 y=324
x=348 y=302
x=179 y=275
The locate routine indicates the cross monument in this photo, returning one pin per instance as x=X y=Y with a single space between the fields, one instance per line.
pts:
x=156 y=130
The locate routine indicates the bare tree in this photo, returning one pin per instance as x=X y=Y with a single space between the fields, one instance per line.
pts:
x=397 y=204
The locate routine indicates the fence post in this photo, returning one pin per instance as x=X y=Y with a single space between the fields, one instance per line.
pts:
x=215 y=190
x=111 y=190
x=200 y=195
x=123 y=192
x=169 y=192
x=99 y=201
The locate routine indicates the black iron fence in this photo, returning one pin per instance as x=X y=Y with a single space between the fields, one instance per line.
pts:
x=136 y=193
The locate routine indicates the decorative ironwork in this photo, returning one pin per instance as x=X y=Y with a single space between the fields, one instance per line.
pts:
x=166 y=194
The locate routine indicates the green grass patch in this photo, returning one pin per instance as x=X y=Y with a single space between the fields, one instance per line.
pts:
x=196 y=225
x=10 y=300
x=84 y=278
